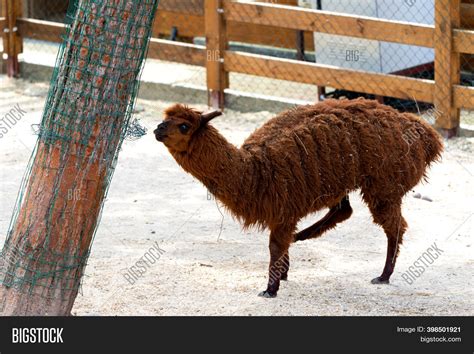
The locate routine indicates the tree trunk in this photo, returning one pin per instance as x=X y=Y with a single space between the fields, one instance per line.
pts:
x=84 y=122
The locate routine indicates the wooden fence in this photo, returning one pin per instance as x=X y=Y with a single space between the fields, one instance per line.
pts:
x=267 y=23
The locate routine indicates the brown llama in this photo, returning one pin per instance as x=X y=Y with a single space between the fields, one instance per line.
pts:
x=306 y=159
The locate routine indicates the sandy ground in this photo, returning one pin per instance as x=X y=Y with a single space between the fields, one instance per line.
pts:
x=209 y=269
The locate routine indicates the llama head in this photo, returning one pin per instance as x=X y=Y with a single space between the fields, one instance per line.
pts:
x=180 y=124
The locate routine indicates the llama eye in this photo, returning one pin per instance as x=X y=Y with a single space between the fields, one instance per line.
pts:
x=184 y=128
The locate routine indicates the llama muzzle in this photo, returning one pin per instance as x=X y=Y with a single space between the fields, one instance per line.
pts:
x=160 y=132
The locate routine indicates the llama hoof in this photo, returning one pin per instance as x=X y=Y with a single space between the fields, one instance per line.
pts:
x=267 y=295
x=379 y=280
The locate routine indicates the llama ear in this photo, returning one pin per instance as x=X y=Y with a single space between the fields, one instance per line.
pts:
x=207 y=117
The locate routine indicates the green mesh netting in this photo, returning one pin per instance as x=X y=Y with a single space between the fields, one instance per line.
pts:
x=85 y=119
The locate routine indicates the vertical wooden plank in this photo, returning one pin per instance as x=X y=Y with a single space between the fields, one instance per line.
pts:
x=216 y=45
x=18 y=37
x=7 y=39
x=300 y=49
x=12 y=41
x=3 y=13
x=447 y=65
x=467 y=22
x=321 y=89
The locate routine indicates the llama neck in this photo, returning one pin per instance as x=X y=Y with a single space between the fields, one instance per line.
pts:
x=214 y=161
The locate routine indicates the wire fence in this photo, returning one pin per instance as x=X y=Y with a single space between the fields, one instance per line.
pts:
x=184 y=22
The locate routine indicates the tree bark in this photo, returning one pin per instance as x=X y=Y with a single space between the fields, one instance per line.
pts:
x=84 y=122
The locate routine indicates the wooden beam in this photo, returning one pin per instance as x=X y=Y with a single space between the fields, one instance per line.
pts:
x=187 y=25
x=41 y=30
x=329 y=22
x=12 y=40
x=327 y=75
x=192 y=25
x=282 y=2
x=467 y=22
x=467 y=15
x=194 y=7
x=3 y=24
x=159 y=48
x=266 y=35
x=216 y=44
x=463 y=41
x=177 y=52
x=464 y=97
x=447 y=64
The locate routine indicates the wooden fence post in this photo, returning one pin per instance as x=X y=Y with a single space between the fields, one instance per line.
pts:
x=12 y=41
x=3 y=25
x=216 y=45
x=447 y=65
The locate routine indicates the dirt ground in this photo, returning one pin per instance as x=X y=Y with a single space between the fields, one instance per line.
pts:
x=211 y=267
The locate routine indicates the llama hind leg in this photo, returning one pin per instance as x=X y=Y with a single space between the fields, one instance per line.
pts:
x=342 y=211
x=389 y=216
x=280 y=240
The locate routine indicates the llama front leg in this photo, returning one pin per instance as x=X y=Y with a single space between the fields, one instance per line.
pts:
x=280 y=240
x=286 y=264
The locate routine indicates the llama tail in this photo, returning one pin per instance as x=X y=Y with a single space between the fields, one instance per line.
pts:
x=433 y=145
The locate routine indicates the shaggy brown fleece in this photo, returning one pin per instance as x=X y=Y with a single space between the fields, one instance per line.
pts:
x=306 y=159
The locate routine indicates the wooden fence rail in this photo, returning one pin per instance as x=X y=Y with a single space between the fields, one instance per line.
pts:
x=267 y=23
